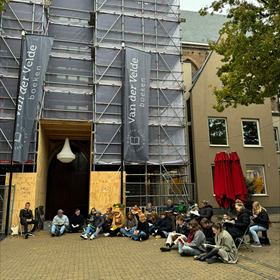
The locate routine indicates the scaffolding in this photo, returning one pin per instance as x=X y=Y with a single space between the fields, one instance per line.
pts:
x=84 y=81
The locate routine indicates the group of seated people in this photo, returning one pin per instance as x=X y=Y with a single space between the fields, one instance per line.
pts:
x=191 y=230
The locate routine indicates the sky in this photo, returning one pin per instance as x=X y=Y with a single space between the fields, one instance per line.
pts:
x=191 y=5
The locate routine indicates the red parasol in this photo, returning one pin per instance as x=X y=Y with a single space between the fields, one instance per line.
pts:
x=238 y=181
x=223 y=188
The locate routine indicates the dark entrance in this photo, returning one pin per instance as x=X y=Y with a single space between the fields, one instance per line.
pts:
x=68 y=185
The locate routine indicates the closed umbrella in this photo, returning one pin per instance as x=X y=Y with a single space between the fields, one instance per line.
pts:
x=217 y=185
x=238 y=182
x=224 y=188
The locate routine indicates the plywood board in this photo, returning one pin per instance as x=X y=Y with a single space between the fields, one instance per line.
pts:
x=25 y=192
x=105 y=190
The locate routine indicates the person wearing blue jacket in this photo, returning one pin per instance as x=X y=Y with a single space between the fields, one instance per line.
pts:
x=164 y=227
x=96 y=227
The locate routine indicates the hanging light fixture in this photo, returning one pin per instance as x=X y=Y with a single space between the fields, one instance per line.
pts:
x=66 y=154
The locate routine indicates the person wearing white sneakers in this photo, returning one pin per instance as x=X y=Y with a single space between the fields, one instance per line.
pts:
x=96 y=227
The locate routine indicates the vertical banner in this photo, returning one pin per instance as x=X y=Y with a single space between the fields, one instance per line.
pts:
x=36 y=52
x=136 y=105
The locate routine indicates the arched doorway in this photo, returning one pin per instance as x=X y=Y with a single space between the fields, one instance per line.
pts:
x=68 y=185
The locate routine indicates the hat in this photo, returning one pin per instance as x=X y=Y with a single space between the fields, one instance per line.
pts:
x=181 y=201
x=117 y=209
x=97 y=212
x=60 y=211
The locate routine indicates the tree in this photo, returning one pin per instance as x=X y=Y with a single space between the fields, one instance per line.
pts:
x=250 y=52
x=2 y=9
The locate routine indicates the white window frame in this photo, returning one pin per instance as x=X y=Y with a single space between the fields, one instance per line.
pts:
x=218 y=145
x=277 y=135
x=252 y=166
x=258 y=129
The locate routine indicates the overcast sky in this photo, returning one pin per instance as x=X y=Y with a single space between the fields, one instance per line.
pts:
x=194 y=5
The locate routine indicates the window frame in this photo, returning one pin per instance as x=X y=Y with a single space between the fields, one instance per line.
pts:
x=218 y=145
x=277 y=135
x=252 y=166
x=259 y=134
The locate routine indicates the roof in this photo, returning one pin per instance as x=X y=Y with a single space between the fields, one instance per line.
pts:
x=198 y=29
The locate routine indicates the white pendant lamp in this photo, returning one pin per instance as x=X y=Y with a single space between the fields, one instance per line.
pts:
x=66 y=154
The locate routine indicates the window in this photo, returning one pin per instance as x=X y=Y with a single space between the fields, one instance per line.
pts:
x=217 y=132
x=251 y=137
x=257 y=173
x=276 y=138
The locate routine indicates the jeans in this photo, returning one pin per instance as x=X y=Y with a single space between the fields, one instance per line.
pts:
x=55 y=228
x=188 y=250
x=141 y=234
x=75 y=229
x=253 y=232
x=25 y=224
x=90 y=229
x=209 y=242
x=151 y=228
x=126 y=233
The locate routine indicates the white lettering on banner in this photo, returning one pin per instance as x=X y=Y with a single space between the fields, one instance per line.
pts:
x=23 y=89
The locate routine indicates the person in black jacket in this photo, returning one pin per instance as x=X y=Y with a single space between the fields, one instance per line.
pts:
x=142 y=231
x=170 y=206
x=156 y=221
x=95 y=227
x=206 y=211
x=241 y=223
x=208 y=232
x=164 y=227
x=261 y=223
x=182 y=230
x=26 y=218
x=76 y=223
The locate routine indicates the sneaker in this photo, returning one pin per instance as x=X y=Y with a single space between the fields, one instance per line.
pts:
x=58 y=234
x=84 y=236
x=164 y=249
x=250 y=242
x=140 y=239
x=92 y=237
x=106 y=234
x=53 y=234
x=26 y=236
x=32 y=233
x=258 y=244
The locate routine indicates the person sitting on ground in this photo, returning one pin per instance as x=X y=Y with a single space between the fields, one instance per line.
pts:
x=59 y=224
x=261 y=223
x=169 y=206
x=191 y=205
x=194 y=245
x=117 y=224
x=136 y=211
x=108 y=219
x=164 y=227
x=96 y=227
x=76 y=222
x=156 y=220
x=242 y=222
x=26 y=218
x=182 y=208
x=182 y=230
x=173 y=219
x=142 y=231
x=206 y=210
x=224 y=250
x=195 y=214
x=224 y=220
x=91 y=216
x=130 y=224
x=208 y=232
x=148 y=212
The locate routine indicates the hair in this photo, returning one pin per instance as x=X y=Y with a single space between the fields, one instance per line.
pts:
x=218 y=226
x=225 y=214
x=195 y=226
x=27 y=203
x=191 y=202
x=163 y=214
x=204 y=221
x=154 y=216
x=180 y=218
x=142 y=218
x=131 y=215
x=149 y=204
x=77 y=210
x=90 y=210
x=206 y=202
x=259 y=208
x=169 y=200
x=239 y=204
x=238 y=201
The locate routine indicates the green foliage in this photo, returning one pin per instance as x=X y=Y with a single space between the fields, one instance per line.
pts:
x=250 y=185
x=250 y=52
x=2 y=9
